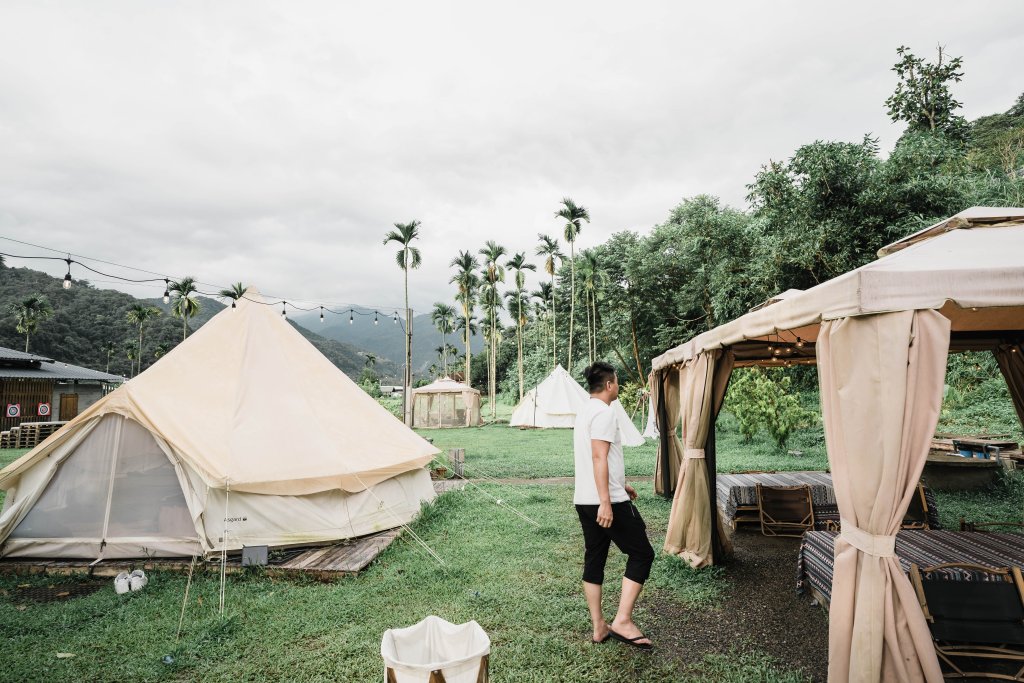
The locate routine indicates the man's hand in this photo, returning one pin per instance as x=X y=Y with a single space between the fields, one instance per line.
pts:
x=631 y=491
x=604 y=515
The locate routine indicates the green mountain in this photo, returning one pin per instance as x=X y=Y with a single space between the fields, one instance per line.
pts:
x=87 y=319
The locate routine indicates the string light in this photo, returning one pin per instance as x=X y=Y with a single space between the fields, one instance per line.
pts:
x=375 y=321
x=396 y=317
x=167 y=292
x=350 y=316
x=233 y=302
x=799 y=343
x=321 y=314
x=284 y=313
x=67 y=278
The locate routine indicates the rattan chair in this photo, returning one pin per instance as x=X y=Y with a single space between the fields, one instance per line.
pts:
x=917 y=511
x=976 y=621
x=785 y=510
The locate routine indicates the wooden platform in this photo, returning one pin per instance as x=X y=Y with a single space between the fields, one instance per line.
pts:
x=323 y=562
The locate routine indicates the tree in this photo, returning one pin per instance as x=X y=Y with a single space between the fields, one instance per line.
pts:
x=185 y=306
x=493 y=273
x=922 y=97
x=28 y=313
x=443 y=317
x=235 y=292
x=407 y=257
x=139 y=314
x=549 y=249
x=161 y=350
x=520 y=298
x=593 y=279
x=467 y=282
x=109 y=347
x=370 y=360
x=129 y=349
x=574 y=215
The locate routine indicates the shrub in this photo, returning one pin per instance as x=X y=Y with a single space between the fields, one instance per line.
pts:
x=762 y=399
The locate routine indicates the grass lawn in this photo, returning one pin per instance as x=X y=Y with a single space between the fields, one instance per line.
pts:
x=521 y=584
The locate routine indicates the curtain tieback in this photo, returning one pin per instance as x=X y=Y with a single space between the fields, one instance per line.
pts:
x=691 y=453
x=878 y=546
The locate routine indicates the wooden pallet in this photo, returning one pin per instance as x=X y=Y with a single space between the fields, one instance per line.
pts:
x=5 y=439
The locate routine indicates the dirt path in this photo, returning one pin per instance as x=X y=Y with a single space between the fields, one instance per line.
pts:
x=760 y=610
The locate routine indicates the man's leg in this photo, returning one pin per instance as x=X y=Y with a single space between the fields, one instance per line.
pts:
x=630 y=535
x=596 y=543
x=593 y=593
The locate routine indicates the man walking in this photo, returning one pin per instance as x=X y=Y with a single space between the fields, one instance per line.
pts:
x=604 y=503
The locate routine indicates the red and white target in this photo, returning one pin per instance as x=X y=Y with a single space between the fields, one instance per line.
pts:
x=13 y=410
x=44 y=410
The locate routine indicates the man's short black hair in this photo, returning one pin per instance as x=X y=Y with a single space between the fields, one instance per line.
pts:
x=597 y=374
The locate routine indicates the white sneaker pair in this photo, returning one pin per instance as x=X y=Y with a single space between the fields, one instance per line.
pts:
x=125 y=582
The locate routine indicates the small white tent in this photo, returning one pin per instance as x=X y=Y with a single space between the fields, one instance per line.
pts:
x=446 y=403
x=244 y=431
x=554 y=403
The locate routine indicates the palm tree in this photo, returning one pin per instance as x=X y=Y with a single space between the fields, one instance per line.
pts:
x=593 y=279
x=493 y=273
x=139 y=314
x=407 y=257
x=185 y=306
x=129 y=351
x=28 y=313
x=548 y=248
x=370 y=360
x=468 y=283
x=161 y=350
x=443 y=317
x=574 y=216
x=109 y=348
x=518 y=264
x=235 y=292
x=541 y=304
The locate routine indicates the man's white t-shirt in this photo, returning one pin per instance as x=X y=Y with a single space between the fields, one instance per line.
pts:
x=597 y=421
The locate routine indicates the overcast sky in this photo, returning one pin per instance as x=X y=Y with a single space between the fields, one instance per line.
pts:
x=276 y=143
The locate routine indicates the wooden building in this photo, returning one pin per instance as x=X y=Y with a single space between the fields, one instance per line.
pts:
x=39 y=389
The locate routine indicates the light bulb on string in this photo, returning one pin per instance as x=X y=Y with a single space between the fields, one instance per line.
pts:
x=375 y=321
x=167 y=293
x=350 y=316
x=284 y=313
x=67 y=278
x=321 y=314
x=799 y=343
x=233 y=304
x=396 y=317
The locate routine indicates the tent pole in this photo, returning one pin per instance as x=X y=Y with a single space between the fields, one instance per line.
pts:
x=709 y=460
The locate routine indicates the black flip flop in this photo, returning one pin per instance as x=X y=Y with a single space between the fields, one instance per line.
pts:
x=606 y=637
x=631 y=641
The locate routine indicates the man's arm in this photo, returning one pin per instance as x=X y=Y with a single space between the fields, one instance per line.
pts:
x=599 y=454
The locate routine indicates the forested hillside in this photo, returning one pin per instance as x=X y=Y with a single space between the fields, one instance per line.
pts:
x=90 y=327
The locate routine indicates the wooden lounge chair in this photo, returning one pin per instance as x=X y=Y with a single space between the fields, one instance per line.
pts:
x=917 y=511
x=974 y=621
x=785 y=510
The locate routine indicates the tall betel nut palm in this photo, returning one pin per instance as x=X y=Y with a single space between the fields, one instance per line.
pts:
x=549 y=249
x=493 y=273
x=443 y=317
x=467 y=282
x=185 y=305
x=139 y=314
x=574 y=215
x=407 y=257
x=518 y=297
x=28 y=313
x=235 y=292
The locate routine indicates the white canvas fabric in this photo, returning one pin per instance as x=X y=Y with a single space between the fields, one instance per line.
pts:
x=245 y=422
x=553 y=404
x=456 y=650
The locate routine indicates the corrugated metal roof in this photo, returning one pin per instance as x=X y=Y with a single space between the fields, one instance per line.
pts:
x=12 y=354
x=49 y=369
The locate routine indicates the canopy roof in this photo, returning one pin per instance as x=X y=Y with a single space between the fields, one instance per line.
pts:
x=444 y=385
x=970 y=267
x=247 y=402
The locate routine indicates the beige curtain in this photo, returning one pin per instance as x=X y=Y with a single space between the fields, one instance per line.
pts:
x=666 y=388
x=701 y=389
x=881 y=390
x=1011 y=362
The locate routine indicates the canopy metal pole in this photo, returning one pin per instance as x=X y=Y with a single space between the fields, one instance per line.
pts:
x=667 y=485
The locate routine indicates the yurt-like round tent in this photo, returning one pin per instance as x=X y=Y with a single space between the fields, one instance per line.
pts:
x=194 y=450
x=445 y=403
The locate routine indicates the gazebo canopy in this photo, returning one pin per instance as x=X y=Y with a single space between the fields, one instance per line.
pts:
x=445 y=403
x=969 y=267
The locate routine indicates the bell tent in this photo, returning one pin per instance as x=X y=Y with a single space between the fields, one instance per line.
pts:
x=244 y=434
x=445 y=403
x=554 y=403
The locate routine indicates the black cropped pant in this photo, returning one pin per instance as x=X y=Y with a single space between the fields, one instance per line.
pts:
x=628 y=532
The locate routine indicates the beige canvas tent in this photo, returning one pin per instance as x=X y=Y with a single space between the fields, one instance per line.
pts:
x=554 y=403
x=244 y=432
x=879 y=336
x=446 y=403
